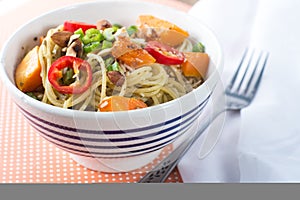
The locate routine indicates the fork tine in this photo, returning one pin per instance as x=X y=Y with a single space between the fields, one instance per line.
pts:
x=254 y=89
x=253 y=74
x=246 y=70
x=238 y=70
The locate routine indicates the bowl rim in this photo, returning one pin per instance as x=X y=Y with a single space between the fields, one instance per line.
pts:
x=14 y=91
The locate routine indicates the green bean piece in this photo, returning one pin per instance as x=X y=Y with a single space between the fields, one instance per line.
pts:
x=79 y=32
x=91 y=47
x=92 y=35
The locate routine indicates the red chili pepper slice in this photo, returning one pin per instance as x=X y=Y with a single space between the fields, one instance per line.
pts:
x=164 y=54
x=74 y=25
x=55 y=74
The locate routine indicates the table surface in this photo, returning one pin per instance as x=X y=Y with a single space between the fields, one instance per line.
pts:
x=28 y=158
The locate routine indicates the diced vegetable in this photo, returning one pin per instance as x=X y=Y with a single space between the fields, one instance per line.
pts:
x=27 y=74
x=79 y=32
x=168 y=32
x=87 y=48
x=91 y=39
x=119 y=103
x=164 y=54
x=74 y=25
x=106 y=44
x=92 y=35
x=130 y=53
x=196 y=64
x=137 y=58
x=113 y=67
x=122 y=46
x=79 y=67
x=108 y=34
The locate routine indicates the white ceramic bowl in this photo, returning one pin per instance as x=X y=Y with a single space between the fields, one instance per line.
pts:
x=119 y=141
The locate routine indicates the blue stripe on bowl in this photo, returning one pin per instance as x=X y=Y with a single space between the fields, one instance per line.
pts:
x=203 y=103
x=78 y=151
x=190 y=119
x=109 y=154
x=116 y=146
x=195 y=114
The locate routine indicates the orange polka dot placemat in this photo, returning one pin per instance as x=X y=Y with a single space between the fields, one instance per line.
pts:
x=28 y=158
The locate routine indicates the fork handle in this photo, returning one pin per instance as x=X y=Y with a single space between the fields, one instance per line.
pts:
x=166 y=166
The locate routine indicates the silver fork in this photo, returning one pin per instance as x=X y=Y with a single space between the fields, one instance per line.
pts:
x=239 y=94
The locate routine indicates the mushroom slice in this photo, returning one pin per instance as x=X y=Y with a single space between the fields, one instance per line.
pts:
x=116 y=77
x=103 y=24
x=61 y=38
x=75 y=48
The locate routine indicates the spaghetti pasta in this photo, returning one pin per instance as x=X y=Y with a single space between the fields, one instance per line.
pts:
x=153 y=83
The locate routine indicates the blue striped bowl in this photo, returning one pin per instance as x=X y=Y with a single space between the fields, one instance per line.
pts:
x=119 y=141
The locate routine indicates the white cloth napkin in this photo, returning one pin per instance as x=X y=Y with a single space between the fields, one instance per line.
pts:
x=269 y=147
x=263 y=144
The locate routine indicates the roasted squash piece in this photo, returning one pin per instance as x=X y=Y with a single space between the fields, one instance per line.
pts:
x=195 y=65
x=137 y=58
x=167 y=32
x=130 y=53
x=27 y=75
x=119 y=103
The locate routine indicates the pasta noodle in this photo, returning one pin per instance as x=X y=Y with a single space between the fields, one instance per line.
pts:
x=153 y=83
